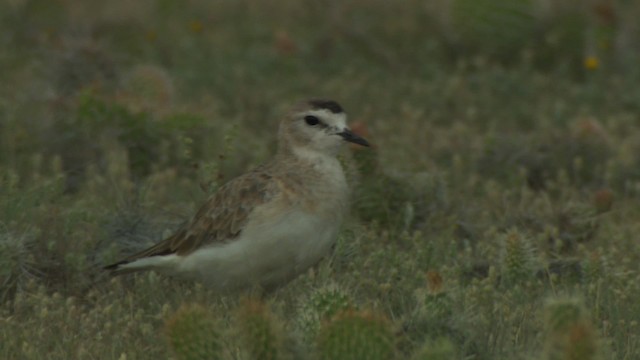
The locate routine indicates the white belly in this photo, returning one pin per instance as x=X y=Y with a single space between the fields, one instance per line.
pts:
x=263 y=255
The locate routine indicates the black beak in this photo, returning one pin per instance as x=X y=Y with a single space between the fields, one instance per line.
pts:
x=349 y=136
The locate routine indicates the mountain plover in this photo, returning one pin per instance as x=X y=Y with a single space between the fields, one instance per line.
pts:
x=269 y=225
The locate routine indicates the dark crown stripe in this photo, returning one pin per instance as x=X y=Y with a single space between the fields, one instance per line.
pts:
x=330 y=105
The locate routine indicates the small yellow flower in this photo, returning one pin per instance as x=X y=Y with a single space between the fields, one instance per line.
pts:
x=591 y=63
x=196 y=26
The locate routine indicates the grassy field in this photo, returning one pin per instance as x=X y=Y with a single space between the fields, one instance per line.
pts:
x=496 y=216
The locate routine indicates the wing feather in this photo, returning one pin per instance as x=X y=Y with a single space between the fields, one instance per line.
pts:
x=219 y=220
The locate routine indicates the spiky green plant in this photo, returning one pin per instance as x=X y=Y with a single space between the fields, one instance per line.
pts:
x=193 y=334
x=593 y=267
x=321 y=305
x=260 y=331
x=354 y=335
x=439 y=349
x=434 y=310
x=570 y=335
x=518 y=257
x=15 y=262
x=436 y=301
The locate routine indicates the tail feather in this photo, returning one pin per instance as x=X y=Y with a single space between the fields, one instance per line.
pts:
x=119 y=269
x=149 y=263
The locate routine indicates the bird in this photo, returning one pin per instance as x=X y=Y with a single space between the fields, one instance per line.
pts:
x=267 y=226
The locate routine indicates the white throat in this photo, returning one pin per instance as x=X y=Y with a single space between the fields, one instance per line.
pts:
x=327 y=166
x=314 y=157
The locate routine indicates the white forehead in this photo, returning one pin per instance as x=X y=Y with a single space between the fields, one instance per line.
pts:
x=338 y=120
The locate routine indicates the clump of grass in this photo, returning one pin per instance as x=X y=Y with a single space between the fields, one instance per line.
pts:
x=518 y=259
x=439 y=349
x=603 y=200
x=483 y=24
x=356 y=335
x=579 y=152
x=576 y=223
x=143 y=105
x=386 y=199
x=593 y=268
x=147 y=88
x=379 y=197
x=34 y=222
x=570 y=333
x=193 y=334
x=320 y=306
x=260 y=330
x=94 y=123
x=436 y=312
x=17 y=264
x=436 y=303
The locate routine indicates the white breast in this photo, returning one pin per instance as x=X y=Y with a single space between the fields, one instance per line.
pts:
x=264 y=254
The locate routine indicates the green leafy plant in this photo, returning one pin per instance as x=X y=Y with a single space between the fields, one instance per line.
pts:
x=193 y=334
x=570 y=335
x=260 y=331
x=356 y=335
x=518 y=261
x=321 y=305
x=439 y=349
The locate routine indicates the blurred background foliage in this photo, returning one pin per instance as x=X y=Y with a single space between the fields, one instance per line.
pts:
x=495 y=217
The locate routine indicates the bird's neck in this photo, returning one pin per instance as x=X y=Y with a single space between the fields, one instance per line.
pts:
x=293 y=147
x=319 y=171
x=306 y=154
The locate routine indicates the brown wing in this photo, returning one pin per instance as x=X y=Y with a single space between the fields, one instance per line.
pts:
x=220 y=219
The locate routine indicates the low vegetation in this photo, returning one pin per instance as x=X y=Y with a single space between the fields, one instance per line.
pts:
x=496 y=216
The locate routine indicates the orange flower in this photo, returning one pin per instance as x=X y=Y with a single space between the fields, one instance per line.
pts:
x=284 y=44
x=434 y=282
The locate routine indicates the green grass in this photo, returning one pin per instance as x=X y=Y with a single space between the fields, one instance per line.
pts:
x=495 y=217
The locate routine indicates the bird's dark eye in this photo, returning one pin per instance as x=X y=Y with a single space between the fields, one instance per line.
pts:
x=311 y=120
